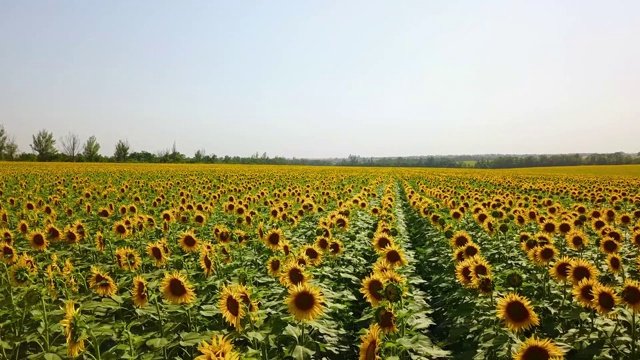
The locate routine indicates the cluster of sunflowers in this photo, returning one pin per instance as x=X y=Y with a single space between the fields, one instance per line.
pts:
x=540 y=227
x=207 y=262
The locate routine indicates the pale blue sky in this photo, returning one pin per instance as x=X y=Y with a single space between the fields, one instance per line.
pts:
x=325 y=78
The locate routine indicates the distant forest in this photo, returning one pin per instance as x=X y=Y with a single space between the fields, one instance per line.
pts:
x=44 y=147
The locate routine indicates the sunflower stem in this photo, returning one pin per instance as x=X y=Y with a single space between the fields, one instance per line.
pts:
x=633 y=334
x=159 y=314
x=45 y=319
x=302 y=334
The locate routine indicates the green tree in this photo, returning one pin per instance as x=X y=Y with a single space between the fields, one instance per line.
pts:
x=43 y=145
x=3 y=141
x=90 y=149
x=71 y=145
x=122 y=151
x=11 y=149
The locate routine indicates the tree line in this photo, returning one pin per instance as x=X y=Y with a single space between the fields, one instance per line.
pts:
x=44 y=147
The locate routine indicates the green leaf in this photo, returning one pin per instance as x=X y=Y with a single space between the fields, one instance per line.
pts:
x=301 y=352
x=51 y=356
x=157 y=343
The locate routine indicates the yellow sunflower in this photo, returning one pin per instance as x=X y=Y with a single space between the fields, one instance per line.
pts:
x=177 y=289
x=72 y=333
x=273 y=266
x=273 y=239
x=534 y=349
x=604 y=300
x=583 y=292
x=394 y=256
x=293 y=274
x=560 y=269
x=630 y=294
x=38 y=240
x=517 y=313
x=305 y=302
x=189 y=242
x=386 y=319
x=581 y=269
x=139 y=293
x=372 y=288
x=230 y=305
x=370 y=343
x=156 y=253
x=102 y=283
x=220 y=348
x=206 y=262
x=381 y=241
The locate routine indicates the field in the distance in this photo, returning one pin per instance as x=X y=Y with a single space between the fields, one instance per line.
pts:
x=111 y=261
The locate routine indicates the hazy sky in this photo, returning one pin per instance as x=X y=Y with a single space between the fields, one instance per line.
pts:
x=325 y=78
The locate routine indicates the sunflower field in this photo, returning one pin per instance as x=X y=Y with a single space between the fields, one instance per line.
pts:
x=123 y=261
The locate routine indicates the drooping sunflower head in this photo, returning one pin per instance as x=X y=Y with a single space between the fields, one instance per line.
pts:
x=206 y=262
x=535 y=349
x=8 y=253
x=176 y=289
x=273 y=266
x=386 y=319
x=305 y=302
x=516 y=312
x=72 y=332
x=614 y=263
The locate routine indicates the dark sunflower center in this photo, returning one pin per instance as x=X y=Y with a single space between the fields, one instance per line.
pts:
x=190 y=241
x=157 y=253
x=606 y=301
x=323 y=243
x=577 y=241
x=375 y=289
x=275 y=265
x=536 y=353
x=481 y=270
x=38 y=240
x=517 y=311
x=614 y=263
x=393 y=256
x=371 y=350
x=274 y=239
x=177 y=288
x=565 y=227
x=233 y=306
x=311 y=253
x=587 y=292
x=461 y=241
x=563 y=269
x=386 y=320
x=581 y=272
x=466 y=272
x=610 y=245
x=305 y=301
x=335 y=248
x=296 y=276
x=120 y=229
x=631 y=295
x=546 y=254
x=383 y=242
x=207 y=262
x=470 y=251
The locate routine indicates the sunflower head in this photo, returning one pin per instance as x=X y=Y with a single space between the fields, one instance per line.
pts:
x=604 y=300
x=305 y=302
x=176 y=289
x=534 y=349
x=630 y=294
x=516 y=312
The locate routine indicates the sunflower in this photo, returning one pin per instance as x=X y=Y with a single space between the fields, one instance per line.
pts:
x=121 y=229
x=206 y=263
x=102 y=283
x=614 y=263
x=480 y=268
x=273 y=239
x=583 y=292
x=370 y=343
x=471 y=250
x=635 y=238
x=534 y=349
x=38 y=240
x=245 y=295
x=577 y=240
x=630 y=294
x=139 y=293
x=394 y=256
x=7 y=236
x=8 y=254
x=189 y=242
x=605 y=299
x=99 y=241
x=72 y=333
x=220 y=348
x=517 y=313
x=176 y=289
x=560 y=270
x=156 y=252
x=463 y=272
x=128 y=259
x=581 y=269
x=293 y=274
x=305 y=302
x=322 y=243
x=381 y=241
x=335 y=247
x=21 y=272
x=341 y=222
x=23 y=227
x=273 y=266
x=312 y=253
x=230 y=305
x=199 y=219
x=545 y=254
x=53 y=233
x=460 y=239
x=372 y=288
x=386 y=319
